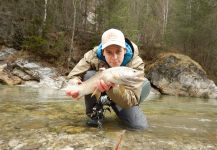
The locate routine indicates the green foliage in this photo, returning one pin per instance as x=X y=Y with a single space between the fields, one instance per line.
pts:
x=35 y=44
x=191 y=24
x=118 y=14
x=44 y=48
x=192 y=29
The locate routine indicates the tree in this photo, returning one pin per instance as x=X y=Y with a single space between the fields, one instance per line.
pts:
x=73 y=33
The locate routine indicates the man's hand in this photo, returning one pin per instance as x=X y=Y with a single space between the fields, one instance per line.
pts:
x=102 y=86
x=73 y=93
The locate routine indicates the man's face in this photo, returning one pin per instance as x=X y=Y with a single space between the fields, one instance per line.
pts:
x=114 y=55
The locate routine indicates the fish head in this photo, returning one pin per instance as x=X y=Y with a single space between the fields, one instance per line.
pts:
x=127 y=76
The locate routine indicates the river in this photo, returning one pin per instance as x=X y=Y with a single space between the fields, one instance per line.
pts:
x=47 y=119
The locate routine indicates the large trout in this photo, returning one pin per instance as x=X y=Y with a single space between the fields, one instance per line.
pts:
x=121 y=76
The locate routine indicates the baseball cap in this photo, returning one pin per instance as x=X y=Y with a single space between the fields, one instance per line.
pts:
x=113 y=36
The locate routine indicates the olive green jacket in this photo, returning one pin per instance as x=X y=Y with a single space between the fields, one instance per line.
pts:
x=90 y=61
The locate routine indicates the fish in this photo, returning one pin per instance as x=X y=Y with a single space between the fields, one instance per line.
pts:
x=122 y=76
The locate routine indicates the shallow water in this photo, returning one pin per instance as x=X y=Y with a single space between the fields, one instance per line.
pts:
x=47 y=119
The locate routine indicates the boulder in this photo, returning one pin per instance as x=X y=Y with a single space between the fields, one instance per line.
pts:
x=35 y=75
x=7 y=78
x=35 y=70
x=23 y=75
x=27 y=67
x=177 y=74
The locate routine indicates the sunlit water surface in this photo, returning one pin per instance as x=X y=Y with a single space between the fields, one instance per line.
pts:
x=47 y=119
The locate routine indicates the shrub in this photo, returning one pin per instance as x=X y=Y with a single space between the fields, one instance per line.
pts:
x=49 y=49
x=36 y=45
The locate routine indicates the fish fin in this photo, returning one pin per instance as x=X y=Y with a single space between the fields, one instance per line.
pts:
x=122 y=88
x=97 y=93
x=94 y=92
x=118 y=89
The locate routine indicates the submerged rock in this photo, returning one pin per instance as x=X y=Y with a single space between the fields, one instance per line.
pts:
x=177 y=74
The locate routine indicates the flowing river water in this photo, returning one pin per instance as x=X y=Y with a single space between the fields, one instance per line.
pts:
x=47 y=119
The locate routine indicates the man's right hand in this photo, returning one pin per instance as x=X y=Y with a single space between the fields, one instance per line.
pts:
x=73 y=93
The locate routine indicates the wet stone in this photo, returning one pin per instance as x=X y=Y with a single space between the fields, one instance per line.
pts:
x=13 y=142
x=34 y=146
x=1 y=142
x=67 y=148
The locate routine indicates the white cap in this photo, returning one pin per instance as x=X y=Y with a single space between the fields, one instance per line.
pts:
x=113 y=36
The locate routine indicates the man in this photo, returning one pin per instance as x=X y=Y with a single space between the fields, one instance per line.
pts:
x=114 y=50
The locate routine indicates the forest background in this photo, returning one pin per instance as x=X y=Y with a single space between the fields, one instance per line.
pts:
x=59 y=32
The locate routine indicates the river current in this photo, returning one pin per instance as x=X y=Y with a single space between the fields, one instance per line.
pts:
x=46 y=119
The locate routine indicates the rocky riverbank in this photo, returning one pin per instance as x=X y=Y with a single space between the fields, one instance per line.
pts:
x=170 y=73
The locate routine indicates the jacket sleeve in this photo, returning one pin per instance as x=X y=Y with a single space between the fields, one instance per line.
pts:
x=83 y=65
x=126 y=98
